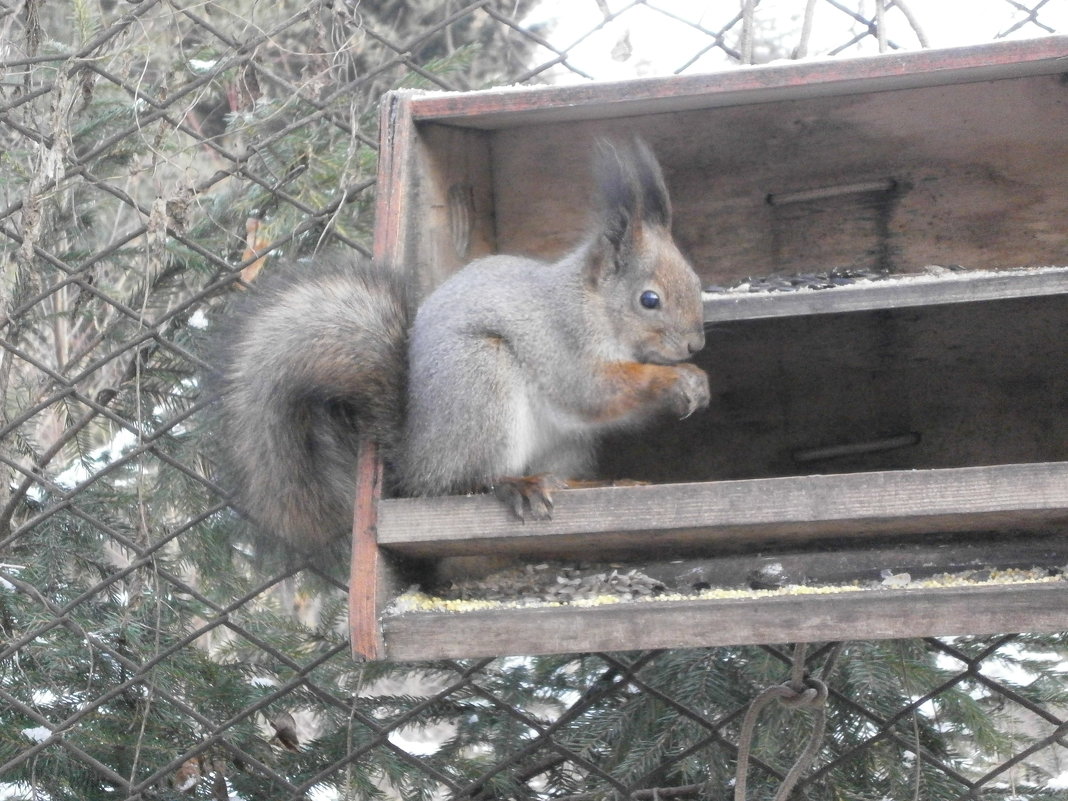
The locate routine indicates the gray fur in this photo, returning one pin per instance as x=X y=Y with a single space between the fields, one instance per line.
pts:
x=522 y=339
x=302 y=373
x=514 y=366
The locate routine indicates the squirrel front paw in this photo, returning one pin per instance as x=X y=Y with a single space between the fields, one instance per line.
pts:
x=528 y=497
x=691 y=390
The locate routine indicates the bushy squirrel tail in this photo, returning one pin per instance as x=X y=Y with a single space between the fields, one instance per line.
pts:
x=307 y=364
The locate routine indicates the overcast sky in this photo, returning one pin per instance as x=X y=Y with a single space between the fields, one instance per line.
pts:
x=647 y=40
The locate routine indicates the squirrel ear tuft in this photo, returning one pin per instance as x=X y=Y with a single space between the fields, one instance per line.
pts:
x=656 y=204
x=631 y=187
x=616 y=187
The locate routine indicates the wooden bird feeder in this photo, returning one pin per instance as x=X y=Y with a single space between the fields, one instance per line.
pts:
x=904 y=410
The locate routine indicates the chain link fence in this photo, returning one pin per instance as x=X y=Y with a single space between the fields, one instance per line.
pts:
x=152 y=152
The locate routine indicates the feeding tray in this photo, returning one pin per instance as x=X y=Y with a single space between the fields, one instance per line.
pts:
x=880 y=239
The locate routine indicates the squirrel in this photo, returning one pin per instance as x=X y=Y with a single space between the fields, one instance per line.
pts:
x=502 y=379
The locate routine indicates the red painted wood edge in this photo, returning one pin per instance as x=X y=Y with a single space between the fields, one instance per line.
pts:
x=365 y=633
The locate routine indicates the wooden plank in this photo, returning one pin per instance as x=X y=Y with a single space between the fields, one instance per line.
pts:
x=366 y=569
x=498 y=108
x=975 y=554
x=980 y=383
x=866 y=615
x=977 y=171
x=726 y=515
x=393 y=229
x=960 y=287
x=453 y=193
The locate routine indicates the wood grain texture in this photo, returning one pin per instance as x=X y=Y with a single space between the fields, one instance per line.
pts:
x=977 y=169
x=531 y=105
x=367 y=589
x=393 y=199
x=966 y=151
x=960 y=287
x=968 y=139
x=723 y=516
x=975 y=555
x=980 y=383
x=876 y=614
x=450 y=221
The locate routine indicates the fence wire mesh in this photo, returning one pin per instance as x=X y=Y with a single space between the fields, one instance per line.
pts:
x=152 y=151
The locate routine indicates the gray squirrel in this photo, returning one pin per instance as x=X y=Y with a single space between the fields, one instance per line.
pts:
x=503 y=379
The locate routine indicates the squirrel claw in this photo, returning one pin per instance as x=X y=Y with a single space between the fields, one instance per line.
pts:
x=528 y=497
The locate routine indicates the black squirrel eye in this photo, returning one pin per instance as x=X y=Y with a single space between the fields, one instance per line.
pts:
x=650 y=299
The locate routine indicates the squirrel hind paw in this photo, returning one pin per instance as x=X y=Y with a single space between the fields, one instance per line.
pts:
x=527 y=497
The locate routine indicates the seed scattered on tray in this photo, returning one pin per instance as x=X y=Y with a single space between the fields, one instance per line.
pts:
x=842 y=276
x=554 y=585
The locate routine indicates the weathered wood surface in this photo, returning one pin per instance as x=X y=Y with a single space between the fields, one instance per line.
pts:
x=959 y=157
x=396 y=175
x=976 y=169
x=960 y=151
x=529 y=105
x=727 y=515
x=867 y=615
x=974 y=555
x=368 y=589
x=451 y=215
x=979 y=383
x=928 y=290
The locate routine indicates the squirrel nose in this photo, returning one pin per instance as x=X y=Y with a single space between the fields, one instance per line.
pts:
x=696 y=341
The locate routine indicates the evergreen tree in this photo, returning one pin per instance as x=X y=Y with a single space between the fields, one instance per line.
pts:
x=148 y=152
